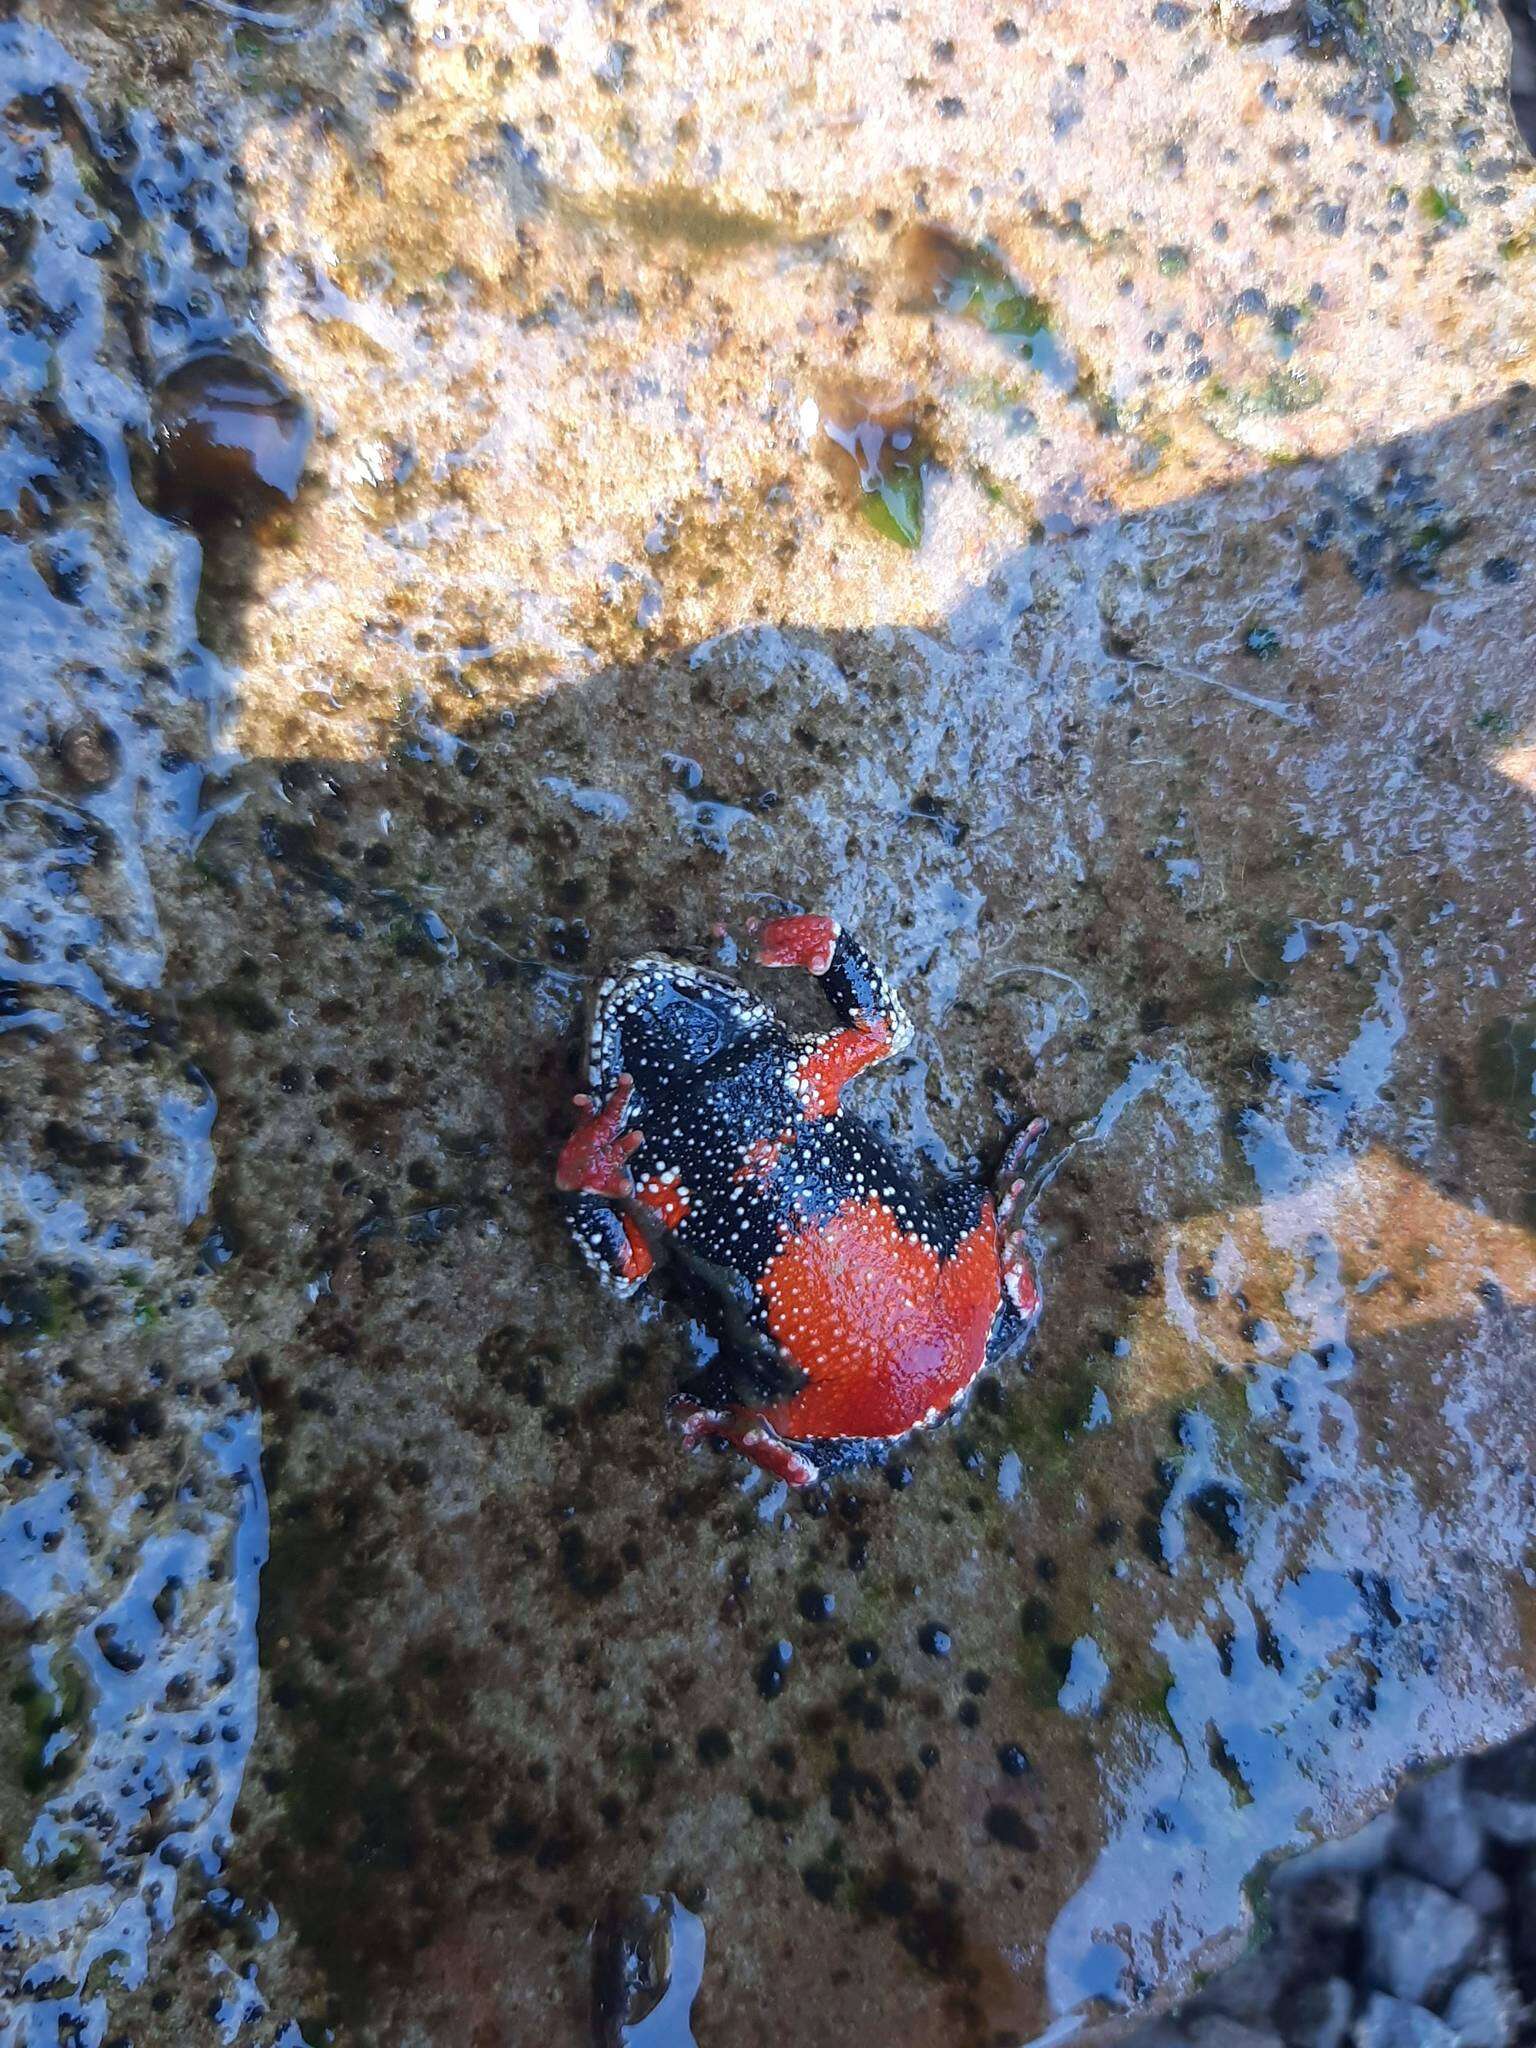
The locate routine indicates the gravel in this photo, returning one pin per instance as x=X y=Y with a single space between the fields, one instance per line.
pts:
x=1219 y=2030
x=1321 y=2014
x=1502 y=1791
x=1397 y=2023
x=1418 y=1931
x=1441 y=1839
x=1418 y=1939
x=1481 y=2011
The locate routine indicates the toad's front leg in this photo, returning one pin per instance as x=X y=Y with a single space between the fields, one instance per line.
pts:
x=874 y=1024
x=592 y=1169
x=592 y=1159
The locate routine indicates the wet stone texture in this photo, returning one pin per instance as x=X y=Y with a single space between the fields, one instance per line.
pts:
x=1150 y=688
x=1420 y=1928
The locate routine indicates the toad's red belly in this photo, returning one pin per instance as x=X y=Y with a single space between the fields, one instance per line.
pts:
x=888 y=1333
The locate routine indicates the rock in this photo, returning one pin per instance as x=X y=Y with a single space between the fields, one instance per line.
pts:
x=1317 y=2016
x=1524 y=1929
x=1219 y=2030
x=1417 y=1937
x=647 y=1963
x=1395 y=2023
x=1502 y=1789
x=230 y=438
x=1320 y=1911
x=1255 y=21
x=556 y=327
x=1251 y=1990
x=1485 y=1894
x=1510 y=1821
x=89 y=753
x=1481 y=2012
x=1439 y=1839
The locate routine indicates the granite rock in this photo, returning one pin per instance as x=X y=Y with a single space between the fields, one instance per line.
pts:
x=1417 y=1937
x=1440 y=1839
x=1481 y=2012
x=1397 y=2023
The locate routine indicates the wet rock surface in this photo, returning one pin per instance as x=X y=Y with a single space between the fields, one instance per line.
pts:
x=378 y=1665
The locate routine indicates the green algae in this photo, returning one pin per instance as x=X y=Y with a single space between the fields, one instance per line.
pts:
x=971 y=281
x=682 y=215
x=35 y=1306
x=894 y=507
x=1283 y=393
x=45 y=1713
x=1438 y=205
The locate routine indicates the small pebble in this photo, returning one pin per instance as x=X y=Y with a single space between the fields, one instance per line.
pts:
x=1319 y=2014
x=1510 y=1821
x=1486 y=1895
x=1219 y=2030
x=1255 y=21
x=1319 y=1907
x=89 y=754
x=1501 y=1789
x=230 y=438
x=1395 y=2023
x=1440 y=1840
x=1481 y=2012
x=1525 y=1924
x=1418 y=1938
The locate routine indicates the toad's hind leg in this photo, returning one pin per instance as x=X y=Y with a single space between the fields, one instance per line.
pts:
x=874 y=1022
x=1019 y=1281
x=612 y=1244
x=755 y=1439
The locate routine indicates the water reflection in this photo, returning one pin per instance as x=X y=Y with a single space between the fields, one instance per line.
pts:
x=138 y=1704
x=647 y=1966
x=1308 y=1668
x=133 y=1521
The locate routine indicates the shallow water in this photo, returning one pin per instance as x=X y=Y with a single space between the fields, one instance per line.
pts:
x=370 y=1641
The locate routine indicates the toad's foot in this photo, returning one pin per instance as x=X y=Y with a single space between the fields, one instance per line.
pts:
x=592 y=1158
x=1019 y=1276
x=1018 y=1267
x=806 y=942
x=1014 y=1185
